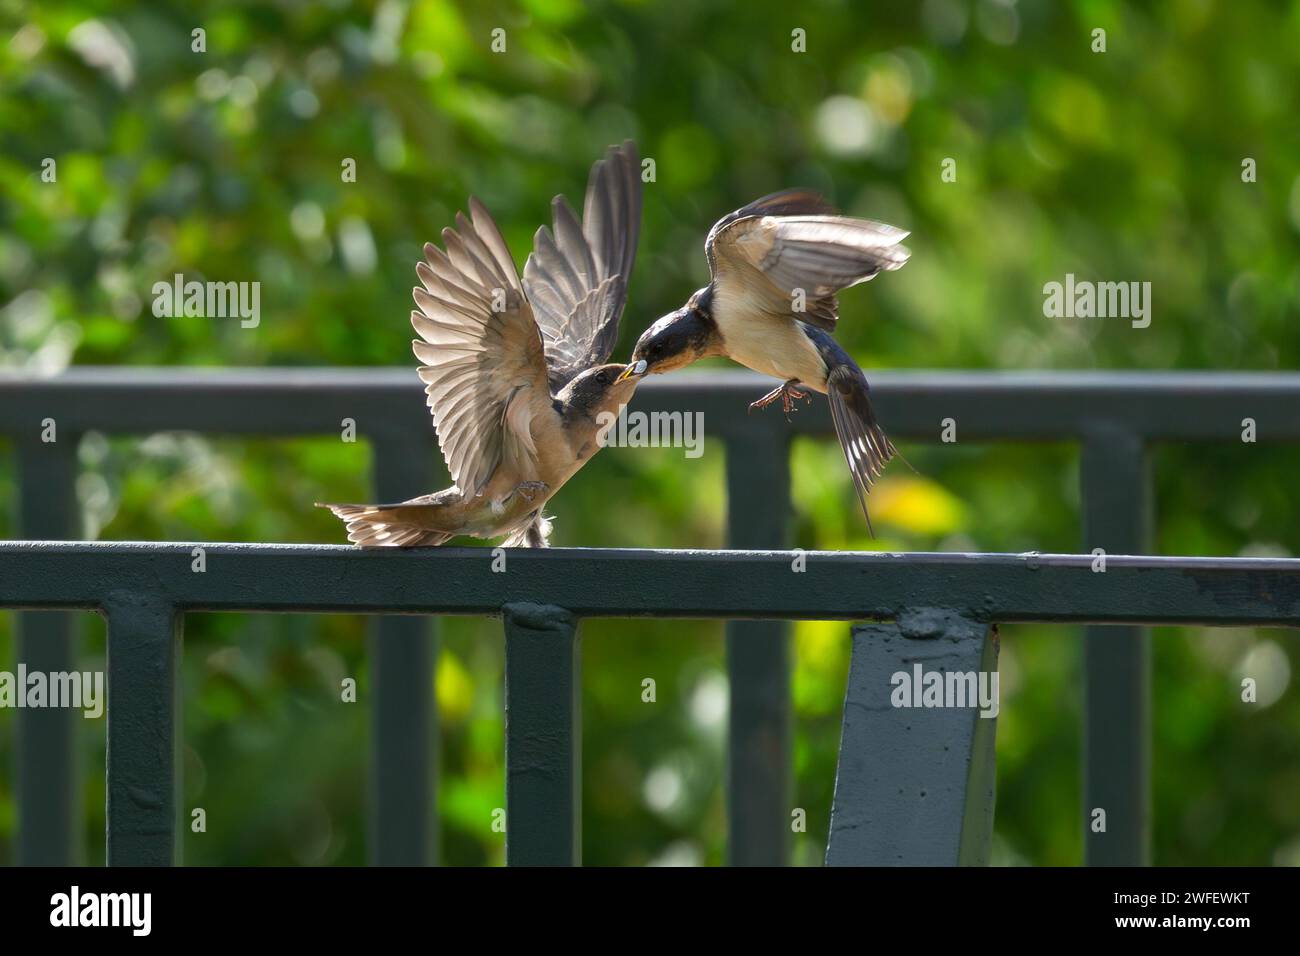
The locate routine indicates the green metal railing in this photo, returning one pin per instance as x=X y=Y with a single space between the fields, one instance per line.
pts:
x=145 y=589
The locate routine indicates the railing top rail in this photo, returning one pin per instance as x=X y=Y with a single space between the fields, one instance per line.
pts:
x=986 y=405
x=632 y=583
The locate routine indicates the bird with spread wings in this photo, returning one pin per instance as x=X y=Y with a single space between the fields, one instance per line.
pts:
x=776 y=267
x=514 y=371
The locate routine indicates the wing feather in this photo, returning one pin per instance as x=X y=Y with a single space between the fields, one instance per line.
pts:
x=794 y=240
x=577 y=276
x=482 y=365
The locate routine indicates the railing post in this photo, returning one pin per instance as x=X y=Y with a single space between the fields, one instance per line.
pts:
x=402 y=813
x=758 y=659
x=144 y=654
x=916 y=787
x=1117 y=509
x=543 y=736
x=49 y=784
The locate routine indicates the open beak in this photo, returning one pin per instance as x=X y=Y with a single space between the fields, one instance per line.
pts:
x=633 y=368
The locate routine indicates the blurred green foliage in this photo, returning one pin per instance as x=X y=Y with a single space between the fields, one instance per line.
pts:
x=225 y=165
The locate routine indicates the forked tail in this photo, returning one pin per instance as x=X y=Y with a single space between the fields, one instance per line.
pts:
x=865 y=445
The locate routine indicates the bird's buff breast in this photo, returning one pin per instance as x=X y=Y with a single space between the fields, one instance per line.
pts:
x=772 y=345
x=498 y=507
x=500 y=504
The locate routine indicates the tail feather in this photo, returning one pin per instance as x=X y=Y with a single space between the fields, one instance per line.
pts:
x=866 y=447
x=387 y=526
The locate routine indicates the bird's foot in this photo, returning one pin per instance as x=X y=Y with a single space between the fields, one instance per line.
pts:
x=788 y=393
x=530 y=489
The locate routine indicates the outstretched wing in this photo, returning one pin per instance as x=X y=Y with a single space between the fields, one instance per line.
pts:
x=768 y=252
x=484 y=367
x=577 y=276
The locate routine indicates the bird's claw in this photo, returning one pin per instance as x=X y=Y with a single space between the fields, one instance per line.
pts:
x=530 y=489
x=787 y=393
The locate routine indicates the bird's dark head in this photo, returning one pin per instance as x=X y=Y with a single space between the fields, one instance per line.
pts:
x=678 y=338
x=601 y=388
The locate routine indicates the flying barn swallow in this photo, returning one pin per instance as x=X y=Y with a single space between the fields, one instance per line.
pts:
x=776 y=266
x=513 y=371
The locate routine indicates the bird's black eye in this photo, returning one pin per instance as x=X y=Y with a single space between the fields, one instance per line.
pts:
x=602 y=377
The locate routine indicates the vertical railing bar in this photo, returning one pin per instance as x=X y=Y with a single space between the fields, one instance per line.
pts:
x=1117 y=518
x=543 y=736
x=49 y=781
x=916 y=787
x=144 y=730
x=758 y=658
x=402 y=812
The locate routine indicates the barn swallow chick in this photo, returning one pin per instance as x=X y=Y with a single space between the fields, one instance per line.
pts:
x=514 y=372
x=776 y=266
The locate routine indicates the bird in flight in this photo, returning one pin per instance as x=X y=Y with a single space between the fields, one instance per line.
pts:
x=514 y=372
x=776 y=266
